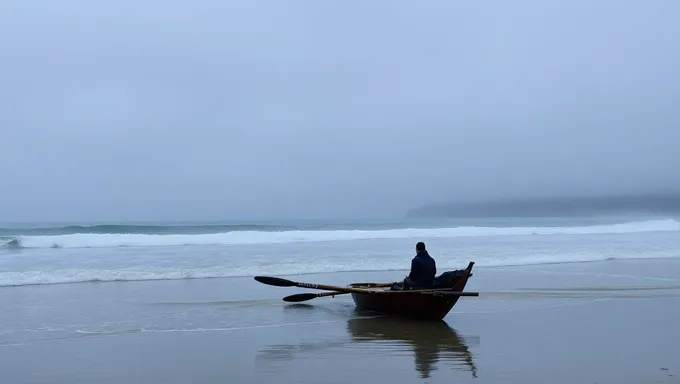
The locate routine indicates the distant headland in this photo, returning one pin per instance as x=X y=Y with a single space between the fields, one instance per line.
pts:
x=556 y=206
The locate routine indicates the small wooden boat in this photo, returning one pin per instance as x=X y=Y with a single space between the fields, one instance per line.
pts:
x=433 y=303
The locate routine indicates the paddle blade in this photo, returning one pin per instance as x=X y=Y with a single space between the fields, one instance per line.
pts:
x=300 y=297
x=275 y=281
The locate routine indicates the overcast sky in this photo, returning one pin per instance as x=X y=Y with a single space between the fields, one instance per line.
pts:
x=213 y=109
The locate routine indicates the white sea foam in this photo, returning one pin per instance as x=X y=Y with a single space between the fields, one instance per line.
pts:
x=260 y=237
x=299 y=267
x=30 y=261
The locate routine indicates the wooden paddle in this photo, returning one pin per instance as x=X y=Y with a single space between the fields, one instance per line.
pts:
x=450 y=293
x=299 y=297
x=309 y=296
x=279 y=282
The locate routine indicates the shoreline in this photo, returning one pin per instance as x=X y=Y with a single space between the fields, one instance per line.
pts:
x=349 y=272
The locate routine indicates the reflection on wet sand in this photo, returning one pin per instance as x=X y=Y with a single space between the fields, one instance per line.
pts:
x=430 y=342
x=288 y=352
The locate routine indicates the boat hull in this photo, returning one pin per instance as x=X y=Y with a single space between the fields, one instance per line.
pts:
x=412 y=305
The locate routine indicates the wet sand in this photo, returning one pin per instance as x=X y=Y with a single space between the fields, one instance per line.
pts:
x=606 y=322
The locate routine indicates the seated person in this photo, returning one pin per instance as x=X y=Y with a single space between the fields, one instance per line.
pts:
x=423 y=269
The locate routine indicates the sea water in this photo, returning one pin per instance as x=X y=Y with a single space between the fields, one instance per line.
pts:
x=57 y=253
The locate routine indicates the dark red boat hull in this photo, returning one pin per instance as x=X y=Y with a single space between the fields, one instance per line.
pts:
x=420 y=306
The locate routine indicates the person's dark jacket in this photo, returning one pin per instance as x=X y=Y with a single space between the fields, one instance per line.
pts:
x=423 y=270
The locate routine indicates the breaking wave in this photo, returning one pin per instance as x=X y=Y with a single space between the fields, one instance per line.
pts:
x=299 y=267
x=97 y=239
x=141 y=229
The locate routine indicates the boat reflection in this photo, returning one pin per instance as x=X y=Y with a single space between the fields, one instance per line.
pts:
x=430 y=342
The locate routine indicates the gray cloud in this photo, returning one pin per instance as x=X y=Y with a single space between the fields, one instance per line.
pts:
x=165 y=110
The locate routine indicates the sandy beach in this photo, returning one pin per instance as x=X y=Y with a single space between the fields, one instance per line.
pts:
x=602 y=322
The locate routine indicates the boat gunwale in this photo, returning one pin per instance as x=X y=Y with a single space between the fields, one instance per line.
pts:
x=382 y=291
x=384 y=288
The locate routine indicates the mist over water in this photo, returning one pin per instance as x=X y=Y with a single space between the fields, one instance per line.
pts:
x=255 y=110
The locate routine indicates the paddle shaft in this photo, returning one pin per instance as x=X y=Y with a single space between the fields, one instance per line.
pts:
x=370 y=292
x=277 y=281
x=300 y=297
x=451 y=293
x=375 y=285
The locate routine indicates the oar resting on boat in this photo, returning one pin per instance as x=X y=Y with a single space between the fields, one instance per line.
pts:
x=300 y=297
x=279 y=282
x=432 y=303
x=309 y=296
